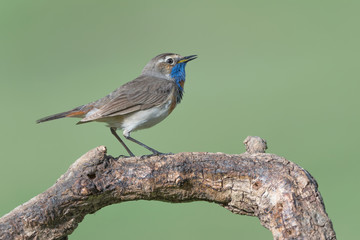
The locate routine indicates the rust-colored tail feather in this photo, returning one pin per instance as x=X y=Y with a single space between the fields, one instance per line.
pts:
x=76 y=112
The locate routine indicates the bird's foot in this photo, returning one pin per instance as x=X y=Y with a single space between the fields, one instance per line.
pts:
x=162 y=154
x=155 y=154
x=124 y=156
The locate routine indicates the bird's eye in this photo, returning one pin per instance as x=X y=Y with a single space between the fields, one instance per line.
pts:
x=170 y=60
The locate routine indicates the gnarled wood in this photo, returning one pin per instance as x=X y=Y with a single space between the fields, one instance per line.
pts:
x=280 y=193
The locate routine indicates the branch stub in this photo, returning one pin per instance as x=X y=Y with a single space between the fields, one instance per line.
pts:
x=255 y=144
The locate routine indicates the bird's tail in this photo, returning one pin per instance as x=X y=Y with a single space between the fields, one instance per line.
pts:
x=76 y=112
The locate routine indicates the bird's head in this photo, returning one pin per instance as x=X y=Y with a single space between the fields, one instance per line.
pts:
x=168 y=65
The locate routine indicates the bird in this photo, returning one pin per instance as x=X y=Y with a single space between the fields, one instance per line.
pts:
x=140 y=103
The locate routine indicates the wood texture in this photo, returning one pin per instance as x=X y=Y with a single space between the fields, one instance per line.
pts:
x=281 y=194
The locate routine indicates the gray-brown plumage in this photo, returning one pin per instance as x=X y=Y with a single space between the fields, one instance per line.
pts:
x=140 y=103
x=142 y=93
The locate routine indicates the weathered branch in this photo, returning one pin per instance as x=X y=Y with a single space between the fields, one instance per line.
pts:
x=280 y=193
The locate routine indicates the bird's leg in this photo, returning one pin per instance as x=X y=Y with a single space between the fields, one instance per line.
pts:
x=113 y=131
x=143 y=145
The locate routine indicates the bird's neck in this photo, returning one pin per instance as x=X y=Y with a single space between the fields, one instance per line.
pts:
x=178 y=74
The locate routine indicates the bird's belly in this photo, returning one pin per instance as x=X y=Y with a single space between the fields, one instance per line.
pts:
x=144 y=118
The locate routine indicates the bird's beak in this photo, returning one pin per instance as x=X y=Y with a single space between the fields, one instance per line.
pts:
x=187 y=59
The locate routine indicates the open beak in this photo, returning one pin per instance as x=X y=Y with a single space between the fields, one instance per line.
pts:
x=187 y=58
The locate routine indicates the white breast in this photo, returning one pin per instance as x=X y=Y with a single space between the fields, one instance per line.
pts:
x=145 y=118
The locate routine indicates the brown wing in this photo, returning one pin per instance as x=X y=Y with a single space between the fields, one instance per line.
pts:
x=142 y=93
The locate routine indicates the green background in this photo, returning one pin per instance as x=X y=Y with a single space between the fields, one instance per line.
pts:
x=283 y=70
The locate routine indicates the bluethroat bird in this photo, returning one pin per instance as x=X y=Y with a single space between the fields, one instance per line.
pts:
x=140 y=103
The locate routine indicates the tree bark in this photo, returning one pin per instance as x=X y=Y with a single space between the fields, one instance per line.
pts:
x=281 y=194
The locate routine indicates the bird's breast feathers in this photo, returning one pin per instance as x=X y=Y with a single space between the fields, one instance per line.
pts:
x=144 y=118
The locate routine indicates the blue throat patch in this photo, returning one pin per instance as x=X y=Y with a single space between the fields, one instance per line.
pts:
x=178 y=73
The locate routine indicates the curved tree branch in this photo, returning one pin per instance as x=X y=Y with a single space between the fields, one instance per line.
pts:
x=281 y=194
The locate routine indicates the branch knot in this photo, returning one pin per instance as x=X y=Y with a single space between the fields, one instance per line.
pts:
x=255 y=144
